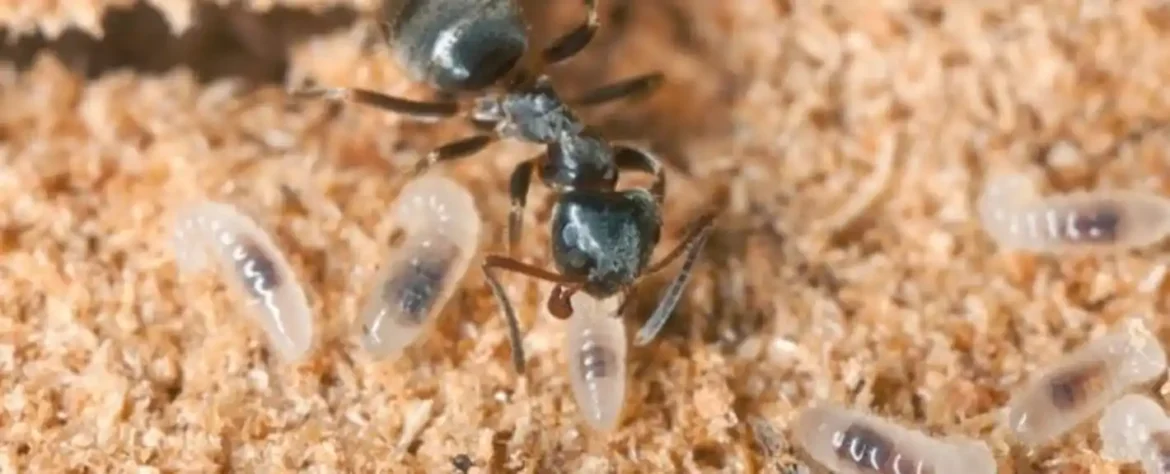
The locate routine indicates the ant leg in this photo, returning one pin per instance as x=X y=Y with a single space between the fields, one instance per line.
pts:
x=492 y=262
x=518 y=188
x=574 y=41
x=633 y=88
x=628 y=157
x=461 y=148
x=419 y=110
x=690 y=247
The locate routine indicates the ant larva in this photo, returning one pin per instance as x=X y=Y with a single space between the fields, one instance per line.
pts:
x=440 y=227
x=1081 y=383
x=851 y=442
x=1018 y=218
x=602 y=238
x=1135 y=428
x=595 y=344
x=260 y=273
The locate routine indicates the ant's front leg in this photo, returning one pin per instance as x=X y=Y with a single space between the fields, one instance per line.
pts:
x=518 y=188
x=574 y=41
x=418 y=110
x=635 y=87
x=461 y=148
x=689 y=249
x=631 y=158
x=493 y=262
x=455 y=150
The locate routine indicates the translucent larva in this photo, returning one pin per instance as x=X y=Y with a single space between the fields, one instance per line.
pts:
x=1136 y=428
x=595 y=342
x=1018 y=218
x=440 y=234
x=258 y=271
x=1081 y=383
x=851 y=442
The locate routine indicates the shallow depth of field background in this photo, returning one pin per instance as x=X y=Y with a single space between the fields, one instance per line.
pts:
x=846 y=141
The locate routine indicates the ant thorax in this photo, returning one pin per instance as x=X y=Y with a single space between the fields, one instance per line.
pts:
x=533 y=114
x=580 y=162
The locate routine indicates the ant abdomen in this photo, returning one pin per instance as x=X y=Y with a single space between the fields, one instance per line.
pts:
x=1081 y=383
x=596 y=349
x=260 y=274
x=851 y=442
x=462 y=45
x=440 y=228
x=1018 y=218
x=1136 y=428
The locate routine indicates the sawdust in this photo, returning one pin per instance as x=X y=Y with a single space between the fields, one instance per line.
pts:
x=779 y=110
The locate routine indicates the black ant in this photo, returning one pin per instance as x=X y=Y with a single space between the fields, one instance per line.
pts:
x=602 y=238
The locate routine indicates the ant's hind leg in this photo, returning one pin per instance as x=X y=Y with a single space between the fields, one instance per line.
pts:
x=455 y=150
x=630 y=158
x=418 y=110
x=636 y=87
x=492 y=262
x=574 y=41
x=689 y=248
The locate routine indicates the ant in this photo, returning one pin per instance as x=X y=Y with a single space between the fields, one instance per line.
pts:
x=602 y=237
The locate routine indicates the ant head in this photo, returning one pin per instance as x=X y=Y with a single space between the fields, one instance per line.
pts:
x=605 y=238
x=457 y=45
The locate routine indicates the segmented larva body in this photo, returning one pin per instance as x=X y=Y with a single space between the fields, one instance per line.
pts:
x=1081 y=383
x=1136 y=429
x=1018 y=218
x=441 y=228
x=256 y=269
x=595 y=341
x=851 y=442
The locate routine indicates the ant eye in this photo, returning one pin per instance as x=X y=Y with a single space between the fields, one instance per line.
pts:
x=440 y=229
x=260 y=275
x=850 y=441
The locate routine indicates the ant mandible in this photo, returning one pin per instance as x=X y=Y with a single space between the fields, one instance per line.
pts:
x=602 y=237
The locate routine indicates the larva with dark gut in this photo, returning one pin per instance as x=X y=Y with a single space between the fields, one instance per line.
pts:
x=851 y=442
x=595 y=342
x=1135 y=428
x=256 y=269
x=441 y=229
x=1018 y=218
x=1080 y=384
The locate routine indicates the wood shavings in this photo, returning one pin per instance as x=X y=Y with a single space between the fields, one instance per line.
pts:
x=416 y=420
x=861 y=200
x=54 y=18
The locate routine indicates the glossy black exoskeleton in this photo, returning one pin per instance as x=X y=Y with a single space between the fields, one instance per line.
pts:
x=602 y=238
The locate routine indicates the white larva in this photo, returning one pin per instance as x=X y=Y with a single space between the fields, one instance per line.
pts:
x=1018 y=218
x=1135 y=428
x=852 y=442
x=255 y=269
x=441 y=230
x=1075 y=387
x=595 y=343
